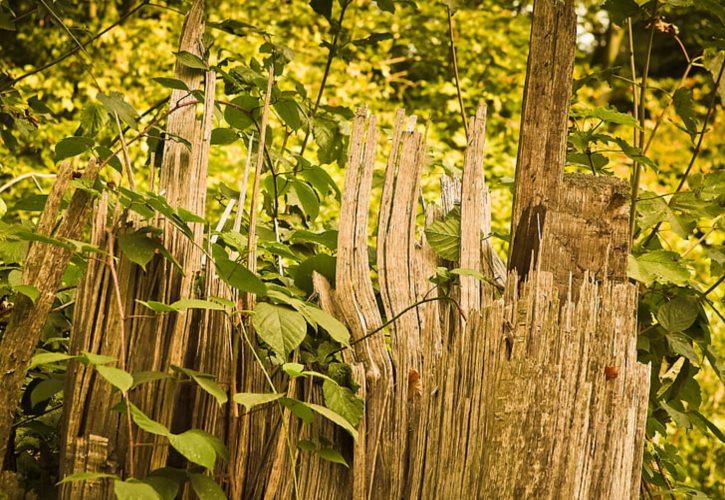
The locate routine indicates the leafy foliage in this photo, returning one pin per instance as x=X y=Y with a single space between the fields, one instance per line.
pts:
x=396 y=54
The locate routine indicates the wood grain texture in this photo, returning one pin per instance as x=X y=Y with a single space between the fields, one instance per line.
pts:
x=44 y=267
x=544 y=120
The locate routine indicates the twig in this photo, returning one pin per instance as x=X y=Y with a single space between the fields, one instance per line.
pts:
x=454 y=60
x=395 y=318
x=696 y=151
x=145 y=131
x=65 y=56
x=22 y=177
x=252 y=233
x=637 y=168
x=122 y=332
x=126 y=158
x=330 y=56
x=702 y=238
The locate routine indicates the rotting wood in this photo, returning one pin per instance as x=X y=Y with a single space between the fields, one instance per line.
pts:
x=154 y=342
x=524 y=377
x=544 y=120
x=43 y=270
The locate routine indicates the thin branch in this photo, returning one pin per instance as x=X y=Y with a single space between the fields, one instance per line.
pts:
x=65 y=56
x=698 y=147
x=22 y=177
x=330 y=56
x=252 y=232
x=637 y=167
x=126 y=157
x=145 y=131
x=454 y=60
x=122 y=332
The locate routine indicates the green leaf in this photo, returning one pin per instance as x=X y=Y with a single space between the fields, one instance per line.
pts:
x=239 y=277
x=299 y=409
x=708 y=424
x=148 y=376
x=190 y=60
x=250 y=399
x=223 y=136
x=133 y=489
x=334 y=418
x=171 y=83
x=46 y=358
x=289 y=111
x=321 y=263
x=166 y=487
x=155 y=306
x=332 y=455
x=342 y=401
x=206 y=382
x=138 y=247
x=240 y=113
x=293 y=369
x=678 y=314
x=306 y=198
x=684 y=107
x=678 y=417
x=322 y=7
x=89 y=358
x=115 y=103
x=146 y=423
x=28 y=290
x=607 y=115
x=335 y=329
x=45 y=390
x=653 y=209
x=282 y=329
x=635 y=154
x=72 y=146
x=682 y=345
x=205 y=487
x=619 y=10
x=195 y=446
x=86 y=476
x=444 y=236
x=657 y=266
x=118 y=378
x=93 y=118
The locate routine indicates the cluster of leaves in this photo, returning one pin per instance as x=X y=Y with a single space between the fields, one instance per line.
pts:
x=392 y=59
x=673 y=233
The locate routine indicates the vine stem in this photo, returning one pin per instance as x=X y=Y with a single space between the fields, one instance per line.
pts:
x=323 y=83
x=267 y=376
x=122 y=333
x=637 y=167
x=698 y=147
x=397 y=316
x=454 y=60
x=147 y=128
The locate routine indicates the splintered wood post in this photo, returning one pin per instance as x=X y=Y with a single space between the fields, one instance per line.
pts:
x=544 y=118
x=43 y=270
x=152 y=342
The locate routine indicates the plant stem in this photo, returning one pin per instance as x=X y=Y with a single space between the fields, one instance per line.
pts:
x=454 y=60
x=122 y=333
x=698 y=147
x=637 y=168
x=65 y=56
x=252 y=232
x=330 y=56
